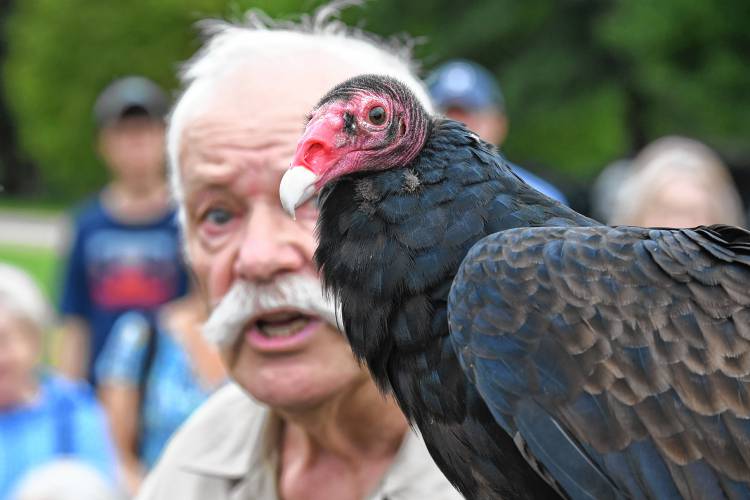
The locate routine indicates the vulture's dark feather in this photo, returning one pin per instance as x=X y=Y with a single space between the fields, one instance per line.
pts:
x=680 y=399
x=613 y=362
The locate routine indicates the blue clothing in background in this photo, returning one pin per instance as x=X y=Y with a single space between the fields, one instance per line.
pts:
x=539 y=184
x=114 y=267
x=172 y=388
x=64 y=420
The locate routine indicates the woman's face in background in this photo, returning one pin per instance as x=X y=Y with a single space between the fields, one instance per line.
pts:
x=680 y=203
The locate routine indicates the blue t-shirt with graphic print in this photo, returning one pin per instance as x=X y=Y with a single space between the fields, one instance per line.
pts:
x=115 y=267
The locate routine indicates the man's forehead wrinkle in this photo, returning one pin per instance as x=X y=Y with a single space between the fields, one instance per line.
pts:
x=217 y=143
x=250 y=135
x=219 y=157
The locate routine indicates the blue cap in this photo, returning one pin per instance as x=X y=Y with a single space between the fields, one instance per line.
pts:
x=464 y=84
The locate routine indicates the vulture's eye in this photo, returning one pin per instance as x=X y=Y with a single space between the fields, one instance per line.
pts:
x=376 y=115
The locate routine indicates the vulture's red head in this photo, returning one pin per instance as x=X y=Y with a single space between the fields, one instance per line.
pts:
x=367 y=123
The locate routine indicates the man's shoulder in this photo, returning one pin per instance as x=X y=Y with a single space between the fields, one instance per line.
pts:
x=212 y=447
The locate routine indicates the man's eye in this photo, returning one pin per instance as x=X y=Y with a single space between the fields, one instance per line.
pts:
x=217 y=216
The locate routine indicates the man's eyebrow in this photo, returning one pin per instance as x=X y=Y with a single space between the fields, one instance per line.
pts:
x=200 y=195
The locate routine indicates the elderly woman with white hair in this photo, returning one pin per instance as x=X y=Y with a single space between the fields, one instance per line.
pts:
x=677 y=182
x=42 y=416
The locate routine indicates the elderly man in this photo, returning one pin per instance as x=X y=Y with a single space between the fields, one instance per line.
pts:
x=316 y=426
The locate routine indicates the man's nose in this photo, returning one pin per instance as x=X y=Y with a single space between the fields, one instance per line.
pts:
x=270 y=246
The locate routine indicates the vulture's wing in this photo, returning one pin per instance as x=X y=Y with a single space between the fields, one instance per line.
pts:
x=619 y=356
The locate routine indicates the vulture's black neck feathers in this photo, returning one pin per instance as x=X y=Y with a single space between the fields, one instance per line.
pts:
x=390 y=235
x=390 y=243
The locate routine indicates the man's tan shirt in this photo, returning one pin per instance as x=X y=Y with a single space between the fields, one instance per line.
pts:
x=226 y=450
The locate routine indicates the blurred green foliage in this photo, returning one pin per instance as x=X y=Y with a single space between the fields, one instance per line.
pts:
x=61 y=54
x=41 y=263
x=586 y=81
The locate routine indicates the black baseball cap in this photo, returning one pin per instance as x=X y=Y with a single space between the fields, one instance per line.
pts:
x=130 y=95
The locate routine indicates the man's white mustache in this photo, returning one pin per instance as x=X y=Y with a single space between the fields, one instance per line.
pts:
x=246 y=300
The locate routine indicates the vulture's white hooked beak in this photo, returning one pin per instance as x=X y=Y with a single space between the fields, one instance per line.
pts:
x=297 y=186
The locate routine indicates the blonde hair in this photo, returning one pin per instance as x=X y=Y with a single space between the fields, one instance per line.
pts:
x=20 y=295
x=670 y=158
x=230 y=45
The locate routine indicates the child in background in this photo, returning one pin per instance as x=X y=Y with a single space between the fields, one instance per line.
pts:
x=125 y=250
x=42 y=416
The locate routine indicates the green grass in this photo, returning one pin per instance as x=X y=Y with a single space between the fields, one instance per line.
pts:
x=41 y=264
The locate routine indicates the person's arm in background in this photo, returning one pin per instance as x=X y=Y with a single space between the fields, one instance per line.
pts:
x=72 y=356
x=119 y=403
x=118 y=371
x=92 y=440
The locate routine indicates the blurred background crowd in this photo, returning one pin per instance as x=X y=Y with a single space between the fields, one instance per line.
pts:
x=632 y=112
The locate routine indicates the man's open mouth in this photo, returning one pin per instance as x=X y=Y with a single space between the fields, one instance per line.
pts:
x=282 y=324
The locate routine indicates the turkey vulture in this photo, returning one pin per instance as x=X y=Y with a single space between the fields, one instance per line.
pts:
x=522 y=338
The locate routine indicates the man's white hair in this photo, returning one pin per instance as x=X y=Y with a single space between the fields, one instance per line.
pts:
x=231 y=45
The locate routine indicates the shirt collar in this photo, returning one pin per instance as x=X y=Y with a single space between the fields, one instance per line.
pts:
x=402 y=470
x=241 y=445
x=234 y=443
